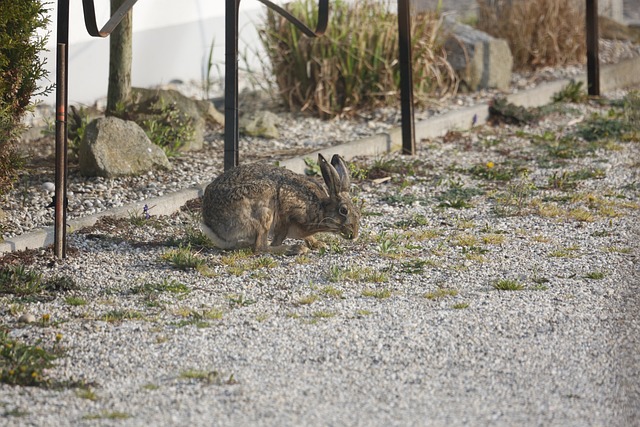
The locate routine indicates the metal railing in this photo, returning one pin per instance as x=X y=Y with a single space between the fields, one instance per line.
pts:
x=231 y=131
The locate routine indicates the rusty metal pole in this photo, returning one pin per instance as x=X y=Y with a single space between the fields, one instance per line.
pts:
x=406 y=78
x=593 y=61
x=60 y=198
x=231 y=129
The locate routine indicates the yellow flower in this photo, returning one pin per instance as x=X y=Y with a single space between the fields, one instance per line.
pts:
x=46 y=317
x=490 y=165
x=58 y=337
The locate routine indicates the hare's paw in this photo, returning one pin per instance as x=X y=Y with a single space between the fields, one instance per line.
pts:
x=297 y=250
x=313 y=243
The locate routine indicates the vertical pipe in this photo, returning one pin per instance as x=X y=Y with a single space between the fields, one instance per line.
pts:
x=593 y=63
x=231 y=132
x=406 y=77
x=60 y=198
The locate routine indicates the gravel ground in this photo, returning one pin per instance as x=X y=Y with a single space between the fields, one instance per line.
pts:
x=405 y=326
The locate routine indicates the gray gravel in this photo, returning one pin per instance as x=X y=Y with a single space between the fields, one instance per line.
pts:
x=304 y=341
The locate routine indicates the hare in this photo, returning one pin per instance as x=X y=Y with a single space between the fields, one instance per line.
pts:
x=250 y=204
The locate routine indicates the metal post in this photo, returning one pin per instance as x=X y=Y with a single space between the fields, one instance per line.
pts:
x=60 y=198
x=593 y=63
x=231 y=130
x=406 y=78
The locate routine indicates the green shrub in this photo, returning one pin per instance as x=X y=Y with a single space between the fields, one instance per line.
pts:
x=355 y=65
x=20 y=70
x=540 y=33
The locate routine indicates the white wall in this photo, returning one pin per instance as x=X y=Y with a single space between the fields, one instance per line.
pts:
x=171 y=40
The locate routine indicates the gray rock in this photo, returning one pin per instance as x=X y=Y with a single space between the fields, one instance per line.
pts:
x=480 y=60
x=261 y=123
x=114 y=147
x=27 y=318
x=147 y=102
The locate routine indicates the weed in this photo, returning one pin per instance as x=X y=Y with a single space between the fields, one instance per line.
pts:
x=377 y=293
x=240 y=300
x=331 y=292
x=595 y=275
x=119 y=315
x=362 y=313
x=183 y=258
x=168 y=128
x=460 y=305
x=416 y=266
x=322 y=314
x=568 y=252
x=507 y=285
x=24 y=364
x=416 y=220
x=307 y=300
x=87 y=393
x=75 y=301
x=171 y=286
x=574 y=92
x=441 y=293
x=457 y=196
x=208 y=377
x=312 y=167
x=17 y=280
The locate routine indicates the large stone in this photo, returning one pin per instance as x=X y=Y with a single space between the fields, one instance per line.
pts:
x=148 y=102
x=114 y=147
x=480 y=60
x=261 y=123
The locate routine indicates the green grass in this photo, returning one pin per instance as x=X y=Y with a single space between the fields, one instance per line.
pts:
x=166 y=285
x=119 y=315
x=183 y=258
x=376 y=293
x=75 y=301
x=595 y=275
x=507 y=285
x=25 y=364
x=441 y=293
x=460 y=305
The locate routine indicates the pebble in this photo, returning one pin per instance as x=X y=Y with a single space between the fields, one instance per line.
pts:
x=26 y=318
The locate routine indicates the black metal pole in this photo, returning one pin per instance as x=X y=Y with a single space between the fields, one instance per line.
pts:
x=231 y=130
x=60 y=198
x=406 y=77
x=593 y=62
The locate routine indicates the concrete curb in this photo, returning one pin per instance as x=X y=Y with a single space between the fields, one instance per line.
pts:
x=615 y=76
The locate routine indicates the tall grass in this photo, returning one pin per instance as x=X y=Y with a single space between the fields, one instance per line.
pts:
x=540 y=33
x=354 y=65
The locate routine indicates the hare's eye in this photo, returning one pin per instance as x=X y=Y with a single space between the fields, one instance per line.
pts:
x=343 y=210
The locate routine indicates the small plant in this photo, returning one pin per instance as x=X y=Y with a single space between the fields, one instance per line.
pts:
x=75 y=301
x=573 y=92
x=209 y=377
x=307 y=300
x=183 y=258
x=441 y=293
x=331 y=292
x=595 y=275
x=171 y=286
x=168 y=128
x=322 y=314
x=17 y=280
x=87 y=393
x=507 y=285
x=312 y=167
x=24 y=364
x=460 y=305
x=457 y=196
x=240 y=300
x=120 y=315
x=377 y=293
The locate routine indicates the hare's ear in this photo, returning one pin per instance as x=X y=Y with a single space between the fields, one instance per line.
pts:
x=330 y=176
x=343 y=172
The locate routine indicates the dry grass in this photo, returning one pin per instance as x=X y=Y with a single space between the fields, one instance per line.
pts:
x=540 y=33
x=354 y=65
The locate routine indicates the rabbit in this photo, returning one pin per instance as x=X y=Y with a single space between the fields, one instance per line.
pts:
x=248 y=204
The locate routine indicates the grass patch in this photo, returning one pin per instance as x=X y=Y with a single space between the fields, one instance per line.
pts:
x=376 y=293
x=170 y=286
x=75 y=301
x=121 y=315
x=356 y=274
x=460 y=305
x=441 y=293
x=507 y=285
x=24 y=364
x=595 y=275
x=183 y=258
x=107 y=415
